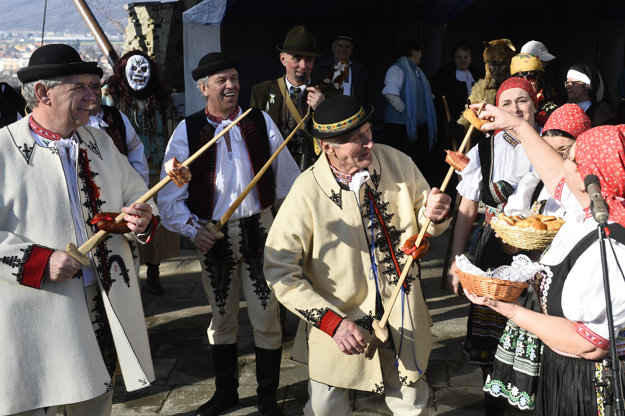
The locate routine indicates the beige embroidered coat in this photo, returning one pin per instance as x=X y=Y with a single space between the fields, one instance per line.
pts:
x=49 y=351
x=330 y=231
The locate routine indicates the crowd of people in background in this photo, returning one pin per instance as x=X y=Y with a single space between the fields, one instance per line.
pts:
x=321 y=233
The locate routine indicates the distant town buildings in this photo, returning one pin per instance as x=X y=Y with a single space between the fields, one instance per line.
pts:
x=16 y=48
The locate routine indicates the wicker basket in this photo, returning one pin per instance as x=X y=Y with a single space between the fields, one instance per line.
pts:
x=498 y=289
x=523 y=238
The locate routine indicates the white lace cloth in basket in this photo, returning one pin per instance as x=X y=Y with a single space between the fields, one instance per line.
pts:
x=522 y=269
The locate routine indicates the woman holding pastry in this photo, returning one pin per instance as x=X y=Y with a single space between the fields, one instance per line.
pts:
x=572 y=321
x=561 y=130
x=495 y=168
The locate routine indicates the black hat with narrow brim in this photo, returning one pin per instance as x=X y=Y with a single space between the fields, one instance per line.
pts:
x=213 y=62
x=299 y=41
x=54 y=60
x=338 y=116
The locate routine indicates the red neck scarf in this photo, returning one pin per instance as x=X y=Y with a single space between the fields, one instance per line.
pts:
x=218 y=120
x=42 y=131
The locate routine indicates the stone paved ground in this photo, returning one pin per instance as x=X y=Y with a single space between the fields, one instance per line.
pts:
x=177 y=324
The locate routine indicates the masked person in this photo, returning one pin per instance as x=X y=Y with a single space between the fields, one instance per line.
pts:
x=118 y=127
x=64 y=326
x=137 y=90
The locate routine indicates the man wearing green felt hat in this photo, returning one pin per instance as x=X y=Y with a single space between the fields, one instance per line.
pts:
x=288 y=98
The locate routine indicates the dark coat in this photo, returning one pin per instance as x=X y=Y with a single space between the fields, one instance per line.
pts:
x=445 y=83
x=361 y=82
x=602 y=113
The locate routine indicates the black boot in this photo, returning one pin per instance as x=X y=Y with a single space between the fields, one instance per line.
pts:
x=154 y=283
x=226 y=381
x=268 y=377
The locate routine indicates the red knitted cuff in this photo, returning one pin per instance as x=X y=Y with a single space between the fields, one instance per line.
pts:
x=590 y=336
x=35 y=266
x=330 y=322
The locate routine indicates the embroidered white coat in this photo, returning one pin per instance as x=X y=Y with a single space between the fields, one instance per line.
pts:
x=325 y=227
x=49 y=354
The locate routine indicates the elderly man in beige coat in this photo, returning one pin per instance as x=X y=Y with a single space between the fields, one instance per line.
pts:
x=346 y=218
x=65 y=327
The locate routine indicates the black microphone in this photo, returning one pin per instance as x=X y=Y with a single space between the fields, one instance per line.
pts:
x=598 y=206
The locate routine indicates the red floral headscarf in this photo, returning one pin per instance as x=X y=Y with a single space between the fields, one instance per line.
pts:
x=516 y=82
x=601 y=151
x=569 y=118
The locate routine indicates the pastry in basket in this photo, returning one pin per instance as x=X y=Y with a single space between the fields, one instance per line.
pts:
x=531 y=233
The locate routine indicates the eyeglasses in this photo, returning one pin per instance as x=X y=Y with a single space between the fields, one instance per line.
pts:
x=569 y=84
x=531 y=76
x=566 y=155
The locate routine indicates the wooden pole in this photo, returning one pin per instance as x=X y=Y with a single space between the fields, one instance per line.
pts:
x=379 y=327
x=80 y=253
x=215 y=228
x=96 y=30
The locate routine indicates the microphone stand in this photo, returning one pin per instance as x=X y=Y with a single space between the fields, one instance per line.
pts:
x=612 y=382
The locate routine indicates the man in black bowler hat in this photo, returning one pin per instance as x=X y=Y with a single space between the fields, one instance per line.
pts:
x=65 y=326
x=235 y=261
x=334 y=256
x=288 y=98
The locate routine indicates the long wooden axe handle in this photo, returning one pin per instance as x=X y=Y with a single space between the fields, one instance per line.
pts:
x=379 y=327
x=215 y=228
x=80 y=253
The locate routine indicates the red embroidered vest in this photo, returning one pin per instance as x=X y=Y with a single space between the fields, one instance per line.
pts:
x=202 y=186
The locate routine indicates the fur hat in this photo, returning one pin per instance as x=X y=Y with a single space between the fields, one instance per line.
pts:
x=498 y=50
x=53 y=60
x=299 y=41
x=525 y=62
x=213 y=62
x=338 y=116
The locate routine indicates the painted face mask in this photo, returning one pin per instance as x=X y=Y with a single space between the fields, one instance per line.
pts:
x=138 y=72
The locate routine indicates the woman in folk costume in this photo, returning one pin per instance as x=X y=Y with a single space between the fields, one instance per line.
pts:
x=496 y=166
x=137 y=90
x=572 y=321
x=517 y=360
x=560 y=131
x=529 y=67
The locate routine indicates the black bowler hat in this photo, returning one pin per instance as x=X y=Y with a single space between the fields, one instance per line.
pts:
x=338 y=116
x=213 y=62
x=54 y=60
x=299 y=41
